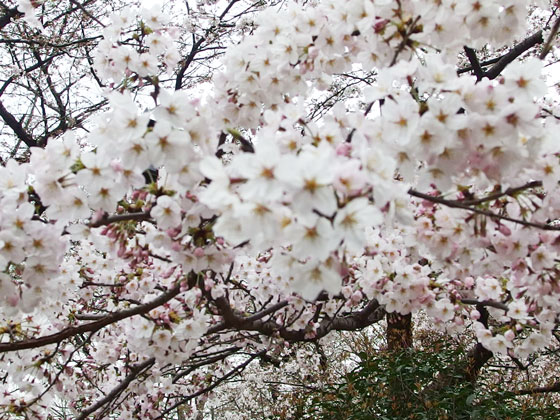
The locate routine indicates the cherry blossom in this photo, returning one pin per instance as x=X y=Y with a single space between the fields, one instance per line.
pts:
x=259 y=177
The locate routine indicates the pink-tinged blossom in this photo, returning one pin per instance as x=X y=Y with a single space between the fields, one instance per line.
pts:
x=315 y=238
x=352 y=220
x=309 y=178
x=525 y=79
x=349 y=178
x=312 y=278
x=175 y=108
x=167 y=212
x=324 y=204
x=488 y=288
x=261 y=171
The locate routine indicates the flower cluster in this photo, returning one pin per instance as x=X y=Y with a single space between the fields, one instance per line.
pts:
x=182 y=229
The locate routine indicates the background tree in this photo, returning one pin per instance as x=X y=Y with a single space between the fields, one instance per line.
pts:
x=192 y=190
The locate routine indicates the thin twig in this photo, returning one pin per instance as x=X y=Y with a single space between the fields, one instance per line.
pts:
x=551 y=36
x=459 y=205
x=115 y=392
x=92 y=326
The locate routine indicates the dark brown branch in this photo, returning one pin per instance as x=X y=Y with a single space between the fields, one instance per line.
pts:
x=115 y=392
x=489 y=303
x=10 y=14
x=459 y=205
x=92 y=326
x=45 y=43
x=502 y=61
x=187 y=63
x=551 y=36
x=196 y=48
x=207 y=361
x=515 y=52
x=371 y=313
x=483 y=64
x=405 y=40
x=106 y=219
x=86 y=12
x=16 y=126
x=540 y=390
x=89 y=317
x=509 y=192
x=270 y=310
x=471 y=55
x=479 y=355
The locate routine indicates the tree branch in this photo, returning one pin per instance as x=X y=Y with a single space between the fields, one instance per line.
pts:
x=212 y=386
x=106 y=219
x=548 y=44
x=471 y=55
x=205 y=362
x=115 y=392
x=10 y=14
x=196 y=48
x=371 y=313
x=483 y=64
x=489 y=303
x=16 y=126
x=459 y=205
x=540 y=390
x=509 y=192
x=92 y=326
x=515 y=52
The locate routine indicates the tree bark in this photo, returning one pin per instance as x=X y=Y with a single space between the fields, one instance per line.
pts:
x=399 y=331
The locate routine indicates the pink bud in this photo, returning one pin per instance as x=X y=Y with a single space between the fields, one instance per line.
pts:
x=208 y=284
x=166 y=274
x=97 y=216
x=356 y=297
x=199 y=252
x=546 y=237
x=427 y=204
x=380 y=25
x=343 y=149
x=13 y=300
x=116 y=166
x=121 y=251
x=509 y=335
x=504 y=230
x=475 y=314
x=313 y=52
x=532 y=307
x=469 y=282
x=346 y=291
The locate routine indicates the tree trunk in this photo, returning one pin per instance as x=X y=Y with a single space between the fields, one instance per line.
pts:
x=399 y=331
